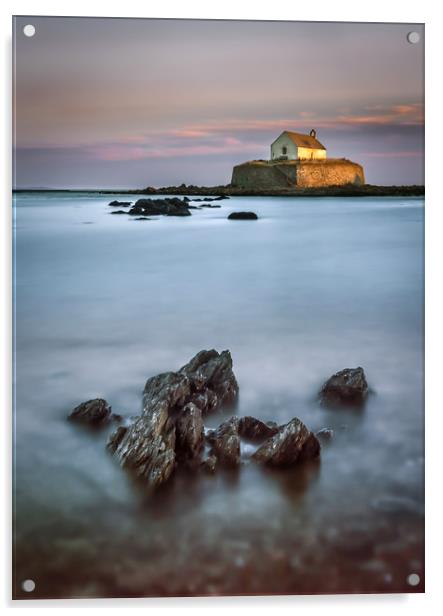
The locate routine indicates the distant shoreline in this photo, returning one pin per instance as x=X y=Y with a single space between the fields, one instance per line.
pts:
x=366 y=190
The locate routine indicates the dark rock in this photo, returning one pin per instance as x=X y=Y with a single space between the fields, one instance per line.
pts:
x=172 y=206
x=210 y=206
x=116 y=438
x=293 y=443
x=142 y=218
x=243 y=216
x=93 y=412
x=325 y=435
x=225 y=442
x=170 y=428
x=116 y=417
x=255 y=430
x=345 y=388
x=209 y=464
x=120 y=212
x=122 y=203
x=213 y=382
x=189 y=434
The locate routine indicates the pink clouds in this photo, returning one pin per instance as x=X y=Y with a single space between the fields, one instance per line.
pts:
x=161 y=149
x=236 y=136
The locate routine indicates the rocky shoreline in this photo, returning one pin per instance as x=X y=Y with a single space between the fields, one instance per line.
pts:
x=170 y=431
x=365 y=190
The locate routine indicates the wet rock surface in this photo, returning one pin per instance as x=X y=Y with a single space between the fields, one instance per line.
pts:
x=121 y=203
x=345 y=388
x=225 y=443
x=170 y=429
x=243 y=216
x=255 y=430
x=190 y=434
x=93 y=412
x=293 y=443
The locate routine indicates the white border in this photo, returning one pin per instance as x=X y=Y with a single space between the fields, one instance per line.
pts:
x=326 y=10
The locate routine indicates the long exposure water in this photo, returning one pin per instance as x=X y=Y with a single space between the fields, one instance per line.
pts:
x=102 y=302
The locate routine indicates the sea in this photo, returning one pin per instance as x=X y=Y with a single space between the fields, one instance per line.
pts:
x=102 y=302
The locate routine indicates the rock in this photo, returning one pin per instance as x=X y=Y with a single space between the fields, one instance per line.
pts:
x=116 y=438
x=209 y=464
x=325 y=435
x=120 y=212
x=170 y=429
x=345 y=388
x=172 y=206
x=147 y=447
x=122 y=203
x=255 y=430
x=189 y=434
x=92 y=412
x=225 y=443
x=243 y=216
x=213 y=382
x=293 y=443
x=142 y=218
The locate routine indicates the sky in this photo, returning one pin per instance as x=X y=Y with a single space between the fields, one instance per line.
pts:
x=130 y=103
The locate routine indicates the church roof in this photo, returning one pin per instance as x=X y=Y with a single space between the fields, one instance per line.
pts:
x=304 y=141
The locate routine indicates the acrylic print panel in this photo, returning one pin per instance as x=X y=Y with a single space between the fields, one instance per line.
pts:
x=218 y=241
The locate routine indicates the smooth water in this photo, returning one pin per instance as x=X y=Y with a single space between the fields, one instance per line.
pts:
x=102 y=302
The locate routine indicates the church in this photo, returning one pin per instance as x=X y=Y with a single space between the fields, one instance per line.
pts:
x=297 y=160
x=296 y=146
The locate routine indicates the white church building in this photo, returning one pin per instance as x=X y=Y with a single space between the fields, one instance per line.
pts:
x=296 y=146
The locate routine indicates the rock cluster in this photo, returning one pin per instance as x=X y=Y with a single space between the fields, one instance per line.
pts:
x=172 y=206
x=170 y=432
x=170 y=428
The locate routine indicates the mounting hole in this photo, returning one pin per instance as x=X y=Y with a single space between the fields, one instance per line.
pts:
x=29 y=30
x=28 y=585
x=413 y=38
x=413 y=579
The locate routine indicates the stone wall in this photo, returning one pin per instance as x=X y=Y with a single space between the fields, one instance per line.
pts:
x=293 y=174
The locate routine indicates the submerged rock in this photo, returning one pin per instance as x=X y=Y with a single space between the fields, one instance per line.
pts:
x=345 y=388
x=120 y=212
x=325 y=435
x=122 y=203
x=293 y=443
x=243 y=216
x=96 y=411
x=171 y=427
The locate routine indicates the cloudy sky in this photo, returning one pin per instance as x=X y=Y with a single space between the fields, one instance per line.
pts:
x=131 y=103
